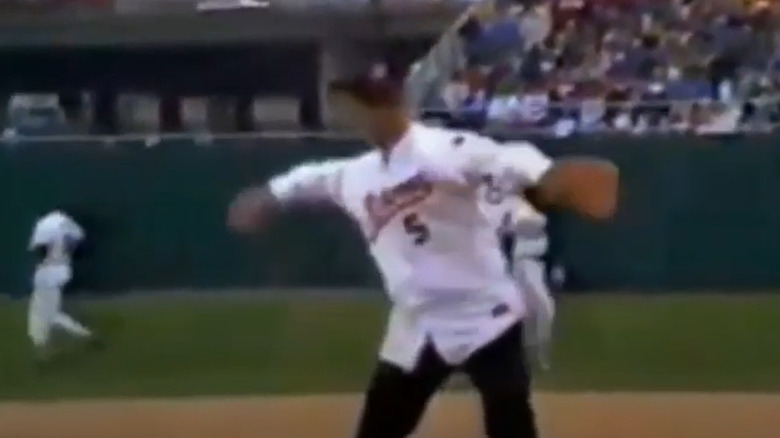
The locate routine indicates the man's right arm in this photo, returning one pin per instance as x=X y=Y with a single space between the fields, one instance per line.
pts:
x=306 y=183
x=310 y=182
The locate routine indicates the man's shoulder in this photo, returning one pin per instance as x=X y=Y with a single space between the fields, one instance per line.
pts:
x=53 y=218
x=45 y=226
x=447 y=139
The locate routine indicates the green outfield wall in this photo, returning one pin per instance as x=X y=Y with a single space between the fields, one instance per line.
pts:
x=694 y=213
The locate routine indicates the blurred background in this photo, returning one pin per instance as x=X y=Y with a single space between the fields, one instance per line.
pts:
x=88 y=87
x=148 y=115
x=628 y=65
x=557 y=67
x=180 y=66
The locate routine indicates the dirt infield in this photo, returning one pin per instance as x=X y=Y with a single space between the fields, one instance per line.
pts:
x=624 y=415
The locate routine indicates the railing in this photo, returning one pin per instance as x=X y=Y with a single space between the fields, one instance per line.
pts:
x=208 y=139
x=675 y=117
x=529 y=110
x=25 y=8
x=203 y=138
x=19 y=9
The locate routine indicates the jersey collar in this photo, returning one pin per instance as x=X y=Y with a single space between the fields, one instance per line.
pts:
x=402 y=149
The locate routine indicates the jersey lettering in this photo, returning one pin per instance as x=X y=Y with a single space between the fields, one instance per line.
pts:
x=388 y=203
x=417 y=229
x=494 y=194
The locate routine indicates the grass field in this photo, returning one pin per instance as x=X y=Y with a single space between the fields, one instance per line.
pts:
x=244 y=345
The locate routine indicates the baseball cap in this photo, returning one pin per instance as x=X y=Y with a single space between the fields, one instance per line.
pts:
x=373 y=84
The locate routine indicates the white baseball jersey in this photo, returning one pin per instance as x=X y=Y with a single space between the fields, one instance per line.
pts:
x=511 y=214
x=530 y=231
x=501 y=208
x=435 y=247
x=56 y=231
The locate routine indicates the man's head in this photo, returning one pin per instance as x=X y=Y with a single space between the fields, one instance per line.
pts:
x=68 y=208
x=371 y=102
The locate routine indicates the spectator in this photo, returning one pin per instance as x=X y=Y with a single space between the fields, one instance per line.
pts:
x=654 y=110
x=473 y=109
x=491 y=43
x=716 y=119
x=617 y=113
x=535 y=24
x=592 y=105
x=568 y=11
x=687 y=84
x=642 y=54
x=455 y=92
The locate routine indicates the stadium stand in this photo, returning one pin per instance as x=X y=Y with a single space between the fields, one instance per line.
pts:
x=588 y=65
x=553 y=66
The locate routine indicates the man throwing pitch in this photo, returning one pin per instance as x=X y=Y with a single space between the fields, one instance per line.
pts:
x=414 y=196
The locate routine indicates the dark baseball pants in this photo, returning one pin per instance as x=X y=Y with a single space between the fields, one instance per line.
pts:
x=396 y=399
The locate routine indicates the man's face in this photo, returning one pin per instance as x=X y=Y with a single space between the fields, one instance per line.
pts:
x=350 y=112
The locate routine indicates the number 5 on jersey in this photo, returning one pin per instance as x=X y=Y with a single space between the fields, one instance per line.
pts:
x=417 y=229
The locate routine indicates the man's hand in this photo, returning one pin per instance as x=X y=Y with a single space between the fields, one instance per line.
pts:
x=251 y=209
x=587 y=186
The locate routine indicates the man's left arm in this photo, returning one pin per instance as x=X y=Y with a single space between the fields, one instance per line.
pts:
x=585 y=185
x=75 y=231
x=75 y=238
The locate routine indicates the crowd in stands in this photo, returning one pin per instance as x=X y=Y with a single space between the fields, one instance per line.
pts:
x=565 y=67
x=588 y=65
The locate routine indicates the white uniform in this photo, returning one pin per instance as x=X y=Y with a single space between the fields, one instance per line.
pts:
x=435 y=247
x=57 y=232
x=511 y=214
x=501 y=207
x=531 y=244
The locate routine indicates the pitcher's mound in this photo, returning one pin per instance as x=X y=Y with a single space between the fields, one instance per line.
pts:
x=625 y=415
